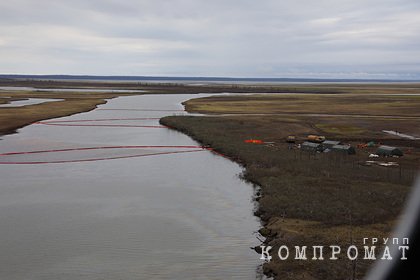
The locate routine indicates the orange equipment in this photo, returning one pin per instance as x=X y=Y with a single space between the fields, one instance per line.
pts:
x=254 y=141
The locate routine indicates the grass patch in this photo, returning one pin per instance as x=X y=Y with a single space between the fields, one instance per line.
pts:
x=340 y=129
x=333 y=104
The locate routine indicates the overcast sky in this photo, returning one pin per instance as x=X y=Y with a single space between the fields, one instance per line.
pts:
x=236 y=38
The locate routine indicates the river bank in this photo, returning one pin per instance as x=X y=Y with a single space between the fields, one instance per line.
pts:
x=69 y=103
x=308 y=199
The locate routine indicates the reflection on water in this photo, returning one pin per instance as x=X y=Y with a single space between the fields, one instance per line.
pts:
x=174 y=216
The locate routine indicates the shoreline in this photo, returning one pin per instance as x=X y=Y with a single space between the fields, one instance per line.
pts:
x=14 y=118
x=77 y=102
x=30 y=114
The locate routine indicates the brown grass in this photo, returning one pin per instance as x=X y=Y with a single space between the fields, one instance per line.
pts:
x=313 y=199
x=333 y=104
x=12 y=118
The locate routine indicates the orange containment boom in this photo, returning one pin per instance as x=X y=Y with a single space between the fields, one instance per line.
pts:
x=254 y=141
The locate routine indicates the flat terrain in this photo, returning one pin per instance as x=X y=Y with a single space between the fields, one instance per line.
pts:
x=331 y=104
x=311 y=198
x=304 y=198
x=13 y=118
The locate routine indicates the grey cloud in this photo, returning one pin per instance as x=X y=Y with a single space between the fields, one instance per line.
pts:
x=198 y=37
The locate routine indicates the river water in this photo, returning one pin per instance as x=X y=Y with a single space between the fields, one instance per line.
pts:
x=166 y=216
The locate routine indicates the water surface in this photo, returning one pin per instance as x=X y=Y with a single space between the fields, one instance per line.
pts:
x=175 y=216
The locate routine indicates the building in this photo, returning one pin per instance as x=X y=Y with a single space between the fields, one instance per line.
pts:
x=328 y=144
x=388 y=151
x=311 y=147
x=345 y=149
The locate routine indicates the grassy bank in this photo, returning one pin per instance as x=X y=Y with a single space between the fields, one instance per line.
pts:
x=13 y=118
x=310 y=199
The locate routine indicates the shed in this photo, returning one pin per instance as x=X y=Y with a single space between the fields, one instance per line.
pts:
x=311 y=147
x=349 y=150
x=328 y=144
x=388 y=151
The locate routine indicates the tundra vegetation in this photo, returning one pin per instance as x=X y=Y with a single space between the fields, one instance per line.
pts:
x=309 y=198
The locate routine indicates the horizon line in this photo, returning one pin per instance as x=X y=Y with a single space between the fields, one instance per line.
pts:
x=193 y=78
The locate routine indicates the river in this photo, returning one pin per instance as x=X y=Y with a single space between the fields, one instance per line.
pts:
x=161 y=215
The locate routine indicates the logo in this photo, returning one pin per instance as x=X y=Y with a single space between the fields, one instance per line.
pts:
x=372 y=249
